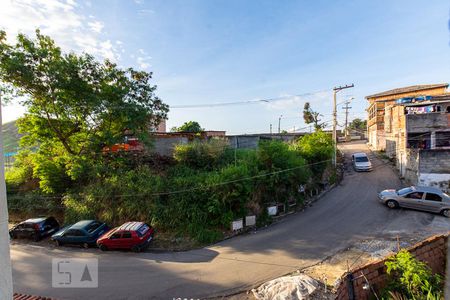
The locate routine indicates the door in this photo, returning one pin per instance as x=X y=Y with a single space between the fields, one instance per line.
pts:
x=74 y=236
x=412 y=200
x=433 y=202
x=127 y=239
x=114 y=240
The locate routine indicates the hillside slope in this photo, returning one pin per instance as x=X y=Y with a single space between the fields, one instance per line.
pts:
x=11 y=137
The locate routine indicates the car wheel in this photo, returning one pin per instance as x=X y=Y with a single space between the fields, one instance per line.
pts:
x=446 y=213
x=85 y=245
x=136 y=249
x=57 y=243
x=103 y=247
x=391 y=204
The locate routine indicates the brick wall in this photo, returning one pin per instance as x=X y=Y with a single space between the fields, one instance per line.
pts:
x=431 y=251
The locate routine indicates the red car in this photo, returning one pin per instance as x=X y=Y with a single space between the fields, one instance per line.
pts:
x=131 y=235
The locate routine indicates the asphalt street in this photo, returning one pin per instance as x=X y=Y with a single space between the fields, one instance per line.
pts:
x=344 y=216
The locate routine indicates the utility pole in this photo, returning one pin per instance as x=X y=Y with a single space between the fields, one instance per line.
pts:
x=6 y=287
x=335 y=91
x=346 y=107
x=279 y=124
x=270 y=128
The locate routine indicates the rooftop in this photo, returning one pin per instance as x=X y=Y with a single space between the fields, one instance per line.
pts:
x=132 y=226
x=408 y=89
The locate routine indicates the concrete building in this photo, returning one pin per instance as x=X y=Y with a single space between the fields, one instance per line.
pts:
x=414 y=130
x=379 y=101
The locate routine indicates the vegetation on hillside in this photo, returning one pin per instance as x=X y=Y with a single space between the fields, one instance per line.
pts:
x=76 y=105
x=11 y=137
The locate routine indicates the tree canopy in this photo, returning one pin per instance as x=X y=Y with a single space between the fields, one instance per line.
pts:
x=358 y=124
x=73 y=100
x=191 y=126
x=312 y=117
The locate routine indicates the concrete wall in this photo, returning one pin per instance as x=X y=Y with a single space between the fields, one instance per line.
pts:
x=432 y=251
x=408 y=165
x=251 y=141
x=165 y=145
x=434 y=168
x=243 y=142
x=427 y=122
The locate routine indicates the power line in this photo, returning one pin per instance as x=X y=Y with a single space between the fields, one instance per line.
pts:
x=244 y=102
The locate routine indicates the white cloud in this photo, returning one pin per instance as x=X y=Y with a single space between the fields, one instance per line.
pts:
x=96 y=26
x=145 y=12
x=61 y=21
x=143 y=59
x=296 y=102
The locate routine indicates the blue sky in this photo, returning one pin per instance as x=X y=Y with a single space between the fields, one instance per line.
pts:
x=225 y=51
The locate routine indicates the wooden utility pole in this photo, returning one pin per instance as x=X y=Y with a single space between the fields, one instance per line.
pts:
x=6 y=287
x=335 y=91
x=346 y=107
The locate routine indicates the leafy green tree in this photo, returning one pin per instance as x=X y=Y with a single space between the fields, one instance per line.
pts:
x=358 y=124
x=312 y=117
x=191 y=126
x=75 y=105
x=74 y=100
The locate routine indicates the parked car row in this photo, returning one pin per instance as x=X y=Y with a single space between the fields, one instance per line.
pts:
x=135 y=236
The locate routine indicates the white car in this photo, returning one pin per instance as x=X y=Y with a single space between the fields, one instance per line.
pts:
x=361 y=162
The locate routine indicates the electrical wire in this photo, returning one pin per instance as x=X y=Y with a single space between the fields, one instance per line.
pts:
x=244 y=102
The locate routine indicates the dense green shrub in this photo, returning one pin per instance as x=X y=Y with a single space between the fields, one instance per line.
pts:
x=412 y=278
x=317 y=148
x=201 y=154
x=21 y=174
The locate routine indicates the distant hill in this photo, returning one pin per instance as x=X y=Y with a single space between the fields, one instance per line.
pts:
x=11 y=137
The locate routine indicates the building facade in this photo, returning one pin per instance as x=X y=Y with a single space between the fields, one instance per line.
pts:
x=378 y=103
x=412 y=125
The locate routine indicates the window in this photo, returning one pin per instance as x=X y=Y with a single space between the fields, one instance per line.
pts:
x=404 y=191
x=361 y=159
x=143 y=229
x=74 y=232
x=433 y=197
x=415 y=195
x=442 y=139
x=116 y=236
x=126 y=235
x=92 y=227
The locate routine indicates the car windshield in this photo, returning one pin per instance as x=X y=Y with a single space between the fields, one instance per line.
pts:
x=404 y=191
x=361 y=159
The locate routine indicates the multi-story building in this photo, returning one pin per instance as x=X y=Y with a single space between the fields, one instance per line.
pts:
x=412 y=125
x=378 y=102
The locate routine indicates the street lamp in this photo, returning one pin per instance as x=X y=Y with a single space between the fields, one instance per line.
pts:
x=279 y=124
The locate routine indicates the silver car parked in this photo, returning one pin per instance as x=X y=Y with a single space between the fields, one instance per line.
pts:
x=417 y=197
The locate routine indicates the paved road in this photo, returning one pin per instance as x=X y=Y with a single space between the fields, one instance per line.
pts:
x=346 y=215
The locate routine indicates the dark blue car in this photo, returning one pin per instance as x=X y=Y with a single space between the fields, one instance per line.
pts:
x=83 y=233
x=35 y=229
